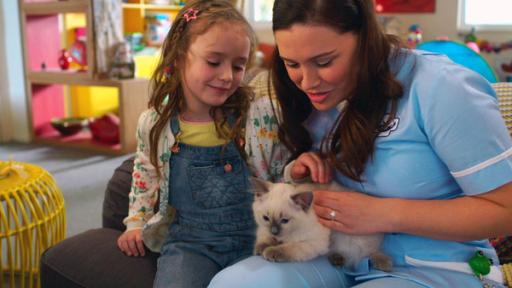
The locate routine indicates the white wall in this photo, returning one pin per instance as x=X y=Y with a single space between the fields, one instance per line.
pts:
x=5 y=113
x=13 y=103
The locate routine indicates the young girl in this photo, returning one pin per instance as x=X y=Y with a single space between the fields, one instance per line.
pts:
x=188 y=153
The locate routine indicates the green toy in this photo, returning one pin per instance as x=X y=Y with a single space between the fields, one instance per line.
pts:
x=480 y=264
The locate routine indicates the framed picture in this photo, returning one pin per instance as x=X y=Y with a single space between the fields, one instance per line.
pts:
x=405 y=6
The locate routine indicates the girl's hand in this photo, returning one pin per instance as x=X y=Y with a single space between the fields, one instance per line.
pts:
x=130 y=242
x=310 y=164
x=354 y=212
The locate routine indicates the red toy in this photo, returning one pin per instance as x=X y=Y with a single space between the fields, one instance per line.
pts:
x=105 y=129
x=65 y=59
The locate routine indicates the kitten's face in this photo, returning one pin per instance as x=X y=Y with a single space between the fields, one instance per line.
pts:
x=279 y=208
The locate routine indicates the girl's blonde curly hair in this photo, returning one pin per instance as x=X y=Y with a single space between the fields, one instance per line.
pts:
x=167 y=97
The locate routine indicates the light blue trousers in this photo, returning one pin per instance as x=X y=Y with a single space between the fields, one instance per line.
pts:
x=255 y=272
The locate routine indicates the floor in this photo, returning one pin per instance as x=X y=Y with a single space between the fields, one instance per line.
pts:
x=81 y=176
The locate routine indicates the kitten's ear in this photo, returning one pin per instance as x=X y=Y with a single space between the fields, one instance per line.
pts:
x=259 y=187
x=303 y=199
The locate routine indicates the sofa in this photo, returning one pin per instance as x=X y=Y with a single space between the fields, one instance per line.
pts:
x=92 y=259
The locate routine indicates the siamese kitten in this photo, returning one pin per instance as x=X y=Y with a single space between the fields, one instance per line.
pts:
x=288 y=228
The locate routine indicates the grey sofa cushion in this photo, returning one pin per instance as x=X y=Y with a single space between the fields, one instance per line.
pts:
x=92 y=259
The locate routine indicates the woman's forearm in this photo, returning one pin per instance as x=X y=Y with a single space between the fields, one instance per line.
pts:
x=465 y=218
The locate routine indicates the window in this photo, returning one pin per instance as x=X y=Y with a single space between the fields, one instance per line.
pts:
x=260 y=11
x=485 y=14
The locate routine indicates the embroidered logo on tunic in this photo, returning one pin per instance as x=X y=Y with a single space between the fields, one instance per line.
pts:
x=385 y=130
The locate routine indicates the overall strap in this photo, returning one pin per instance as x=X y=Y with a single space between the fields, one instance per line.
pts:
x=175 y=125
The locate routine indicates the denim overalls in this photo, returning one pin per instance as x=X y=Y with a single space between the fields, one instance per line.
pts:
x=214 y=225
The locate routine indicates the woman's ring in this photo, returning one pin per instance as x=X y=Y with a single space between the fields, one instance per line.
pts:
x=332 y=214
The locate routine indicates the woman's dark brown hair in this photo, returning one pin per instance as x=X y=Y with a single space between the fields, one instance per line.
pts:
x=167 y=93
x=350 y=142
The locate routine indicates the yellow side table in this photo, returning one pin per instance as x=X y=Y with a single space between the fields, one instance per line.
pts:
x=32 y=218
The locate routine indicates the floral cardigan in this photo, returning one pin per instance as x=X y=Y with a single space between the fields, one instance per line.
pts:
x=266 y=159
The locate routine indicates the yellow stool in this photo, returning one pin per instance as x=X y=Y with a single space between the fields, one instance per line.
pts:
x=507 y=273
x=32 y=218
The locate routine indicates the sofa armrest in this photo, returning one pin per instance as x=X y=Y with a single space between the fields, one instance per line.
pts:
x=115 y=203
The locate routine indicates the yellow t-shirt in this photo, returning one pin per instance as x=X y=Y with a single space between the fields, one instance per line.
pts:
x=199 y=134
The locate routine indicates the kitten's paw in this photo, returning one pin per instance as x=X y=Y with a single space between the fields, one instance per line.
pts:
x=381 y=261
x=275 y=254
x=336 y=260
x=260 y=247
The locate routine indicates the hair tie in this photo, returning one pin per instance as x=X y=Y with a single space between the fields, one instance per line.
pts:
x=167 y=72
x=191 y=14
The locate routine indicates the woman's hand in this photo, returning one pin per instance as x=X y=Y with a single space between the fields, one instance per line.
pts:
x=130 y=242
x=310 y=164
x=352 y=212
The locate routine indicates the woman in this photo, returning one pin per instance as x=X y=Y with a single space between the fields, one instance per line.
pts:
x=419 y=137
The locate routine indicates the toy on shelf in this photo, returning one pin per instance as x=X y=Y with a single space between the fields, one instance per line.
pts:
x=507 y=67
x=472 y=41
x=483 y=45
x=496 y=48
x=135 y=40
x=471 y=36
x=123 y=66
x=473 y=46
x=78 y=49
x=156 y=27
x=105 y=129
x=65 y=59
x=415 y=36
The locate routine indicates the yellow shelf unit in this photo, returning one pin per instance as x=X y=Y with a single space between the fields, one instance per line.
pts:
x=134 y=13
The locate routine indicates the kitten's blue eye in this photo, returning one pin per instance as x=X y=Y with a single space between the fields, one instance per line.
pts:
x=284 y=221
x=265 y=217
